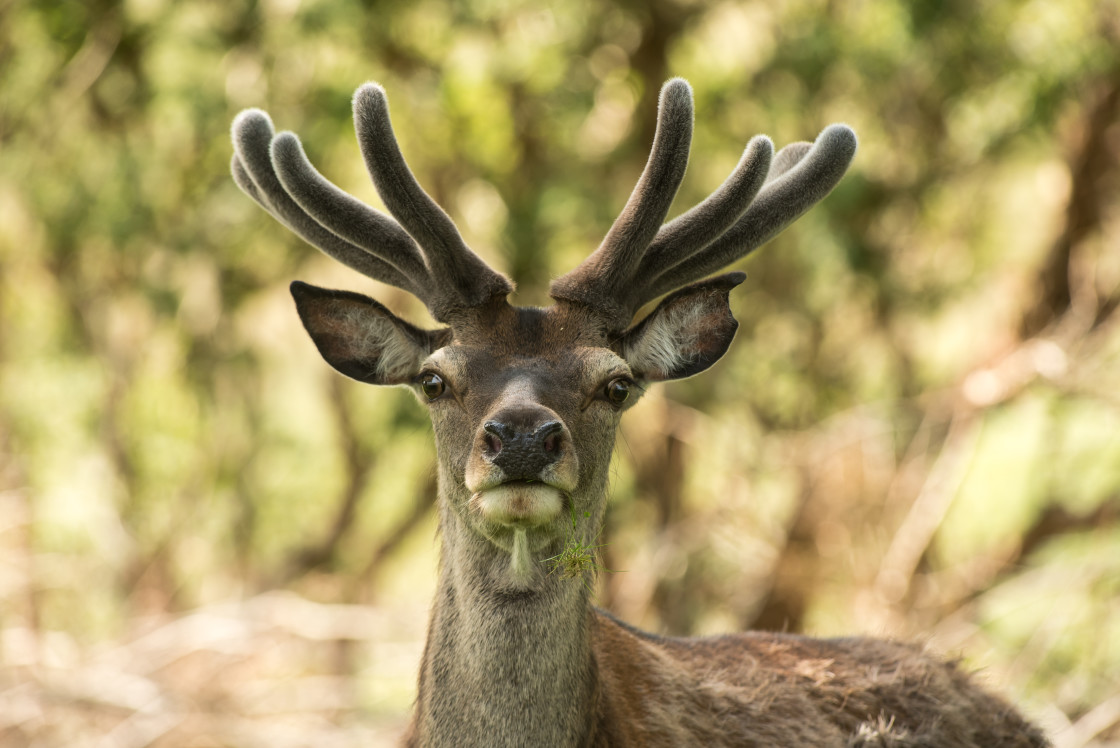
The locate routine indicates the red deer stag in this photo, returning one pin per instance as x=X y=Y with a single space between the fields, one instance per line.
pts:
x=525 y=404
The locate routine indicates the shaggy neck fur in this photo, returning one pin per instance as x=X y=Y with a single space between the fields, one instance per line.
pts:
x=505 y=663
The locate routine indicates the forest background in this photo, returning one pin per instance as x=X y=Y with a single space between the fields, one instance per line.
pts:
x=207 y=537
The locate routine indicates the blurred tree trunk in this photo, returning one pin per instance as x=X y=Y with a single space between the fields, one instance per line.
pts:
x=792 y=577
x=1091 y=165
x=359 y=464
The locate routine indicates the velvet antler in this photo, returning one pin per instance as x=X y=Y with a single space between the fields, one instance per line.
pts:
x=640 y=259
x=422 y=254
x=420 y=250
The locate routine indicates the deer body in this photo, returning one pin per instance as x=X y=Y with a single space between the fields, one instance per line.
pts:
x=554 y=671
x=525 y=405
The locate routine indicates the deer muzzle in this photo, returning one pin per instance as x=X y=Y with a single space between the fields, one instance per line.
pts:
x=522 y=465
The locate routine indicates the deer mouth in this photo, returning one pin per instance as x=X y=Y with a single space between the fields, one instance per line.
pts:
x=519 y=503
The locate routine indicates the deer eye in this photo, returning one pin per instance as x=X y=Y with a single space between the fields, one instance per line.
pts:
x=431 y=384
x=617 y=390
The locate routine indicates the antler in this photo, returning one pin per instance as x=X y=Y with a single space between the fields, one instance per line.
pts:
x=423 y=254
x=640 y=259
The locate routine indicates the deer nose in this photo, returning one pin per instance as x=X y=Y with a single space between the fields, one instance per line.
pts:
x=522 y=452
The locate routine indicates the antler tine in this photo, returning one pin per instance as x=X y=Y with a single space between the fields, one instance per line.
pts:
x=787 y=158
x=800 y=177
x=460 y=278
x=600 y=281
x=693 y=230
x=242 y=179
x=254 y=172
x=343 y=214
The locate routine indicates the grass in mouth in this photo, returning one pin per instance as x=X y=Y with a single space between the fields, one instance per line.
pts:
x=577 y=558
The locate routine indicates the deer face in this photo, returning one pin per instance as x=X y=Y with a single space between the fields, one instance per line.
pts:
x=524 y=414
x=525 y=402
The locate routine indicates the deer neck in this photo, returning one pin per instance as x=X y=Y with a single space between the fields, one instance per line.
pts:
x=504 y=665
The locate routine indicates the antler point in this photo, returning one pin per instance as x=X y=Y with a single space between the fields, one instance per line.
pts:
x=839 y=135
x=284 y=145
x=250 y=119
x=287 y=136
x=758 y=143
x=676 y=93
x=370 y=90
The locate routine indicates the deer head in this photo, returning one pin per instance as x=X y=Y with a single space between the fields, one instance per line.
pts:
x=525 y=402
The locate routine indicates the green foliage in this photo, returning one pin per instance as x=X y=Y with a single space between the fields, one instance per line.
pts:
x=915 y=432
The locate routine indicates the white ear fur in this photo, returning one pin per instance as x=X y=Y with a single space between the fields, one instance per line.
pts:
x=687 y=332
x=397 y=355
x=662 y=346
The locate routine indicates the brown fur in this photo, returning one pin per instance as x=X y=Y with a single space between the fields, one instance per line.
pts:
x=765 y=689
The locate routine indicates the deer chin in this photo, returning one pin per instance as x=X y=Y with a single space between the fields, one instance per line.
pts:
x=520 y=518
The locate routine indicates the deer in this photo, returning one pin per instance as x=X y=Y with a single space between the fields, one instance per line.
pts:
x=525 y=404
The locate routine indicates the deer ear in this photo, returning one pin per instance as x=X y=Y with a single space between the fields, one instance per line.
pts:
x=361 y=338
x=687 y=332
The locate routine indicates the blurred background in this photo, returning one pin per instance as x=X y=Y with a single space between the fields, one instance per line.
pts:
x=207 y=538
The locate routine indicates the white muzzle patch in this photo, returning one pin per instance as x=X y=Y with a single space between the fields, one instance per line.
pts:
x=519 y=505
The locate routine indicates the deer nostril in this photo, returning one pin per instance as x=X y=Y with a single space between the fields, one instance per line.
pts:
x=493 y=437
x=549 y=435
x=493 y=443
